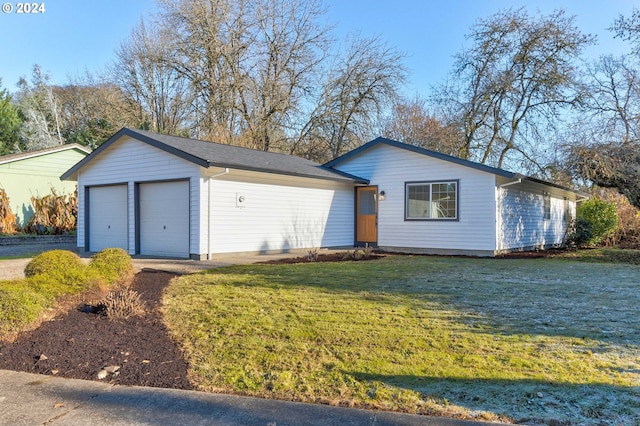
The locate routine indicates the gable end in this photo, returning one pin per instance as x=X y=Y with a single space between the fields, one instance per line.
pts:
x=140 y=137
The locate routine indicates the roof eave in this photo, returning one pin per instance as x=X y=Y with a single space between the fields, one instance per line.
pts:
x=444 y=157
x=339 y=176
x=423 y=151
x=555 y=185
x=38 y=153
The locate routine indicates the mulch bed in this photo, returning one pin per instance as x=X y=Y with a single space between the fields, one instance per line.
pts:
x=329 y=257
x=80 y=344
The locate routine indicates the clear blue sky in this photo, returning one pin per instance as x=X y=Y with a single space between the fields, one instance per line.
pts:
x=76 y=35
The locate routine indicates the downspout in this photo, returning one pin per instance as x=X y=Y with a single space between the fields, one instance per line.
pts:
x=209 y=254
x=85 y=246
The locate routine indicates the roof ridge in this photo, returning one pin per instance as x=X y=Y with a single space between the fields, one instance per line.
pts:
x=238 y=147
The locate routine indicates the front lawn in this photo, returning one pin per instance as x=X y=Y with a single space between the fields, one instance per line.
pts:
x=510 y=339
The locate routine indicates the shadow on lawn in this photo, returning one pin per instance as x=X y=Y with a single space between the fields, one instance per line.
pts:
x=525 y=400
x=505 y=297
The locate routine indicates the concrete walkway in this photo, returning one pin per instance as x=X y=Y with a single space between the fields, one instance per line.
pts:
x=14 y=268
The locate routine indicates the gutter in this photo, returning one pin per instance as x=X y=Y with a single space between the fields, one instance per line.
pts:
x=515 y=182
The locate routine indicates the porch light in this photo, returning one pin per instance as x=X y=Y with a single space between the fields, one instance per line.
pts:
x=382 y=196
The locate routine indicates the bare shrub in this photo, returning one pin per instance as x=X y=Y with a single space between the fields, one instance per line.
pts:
x=312 y=255
x=628 y=233
x=121 y=304
x=358 y=254
x=346 y=255
x=8 y=222
x=53 y=214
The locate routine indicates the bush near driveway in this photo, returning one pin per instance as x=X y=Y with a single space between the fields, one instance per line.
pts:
x=55 y=274
x=497 y=339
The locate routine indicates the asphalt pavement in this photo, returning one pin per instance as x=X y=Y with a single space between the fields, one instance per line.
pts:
x=31 y=399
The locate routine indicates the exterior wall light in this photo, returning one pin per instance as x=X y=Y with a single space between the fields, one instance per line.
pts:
x=382 y=196
x=240 y=200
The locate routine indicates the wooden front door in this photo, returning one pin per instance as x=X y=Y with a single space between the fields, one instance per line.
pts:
x=367 y=214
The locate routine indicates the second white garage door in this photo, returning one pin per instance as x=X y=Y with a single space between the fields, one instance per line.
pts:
x=164 y=219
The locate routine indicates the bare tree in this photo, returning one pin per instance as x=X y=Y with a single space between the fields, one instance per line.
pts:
x=606 y=146
x=362 y=84
x=628 y=28
x=249 y=64
x=263 y=74
x=199 y=51
x=411 y=123
x=91 y=110
x=38 y=104
x=143 y=71
x=512 y=84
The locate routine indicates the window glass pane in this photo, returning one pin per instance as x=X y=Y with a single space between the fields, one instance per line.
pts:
x=444 y=200
x=418 y=198
x=432 y=201
x=547 y=206
x=367 y=202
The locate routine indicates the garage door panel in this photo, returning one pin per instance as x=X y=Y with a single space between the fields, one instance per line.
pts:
x=164 y=219
x=108 y=217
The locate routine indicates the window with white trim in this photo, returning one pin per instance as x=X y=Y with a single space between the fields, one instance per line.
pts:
x=566 y=211
x=431 y=200
x=546 y=205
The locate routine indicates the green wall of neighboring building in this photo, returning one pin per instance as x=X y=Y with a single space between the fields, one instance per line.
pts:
x=23 y=178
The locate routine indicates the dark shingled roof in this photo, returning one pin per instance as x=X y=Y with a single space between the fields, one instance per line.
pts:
x=208 y=154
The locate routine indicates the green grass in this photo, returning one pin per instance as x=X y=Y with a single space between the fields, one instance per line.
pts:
x=546 y=339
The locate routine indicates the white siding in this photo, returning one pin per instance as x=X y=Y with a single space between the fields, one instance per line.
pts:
x=523 y=225
x=131 y=161
x=390 y=168
x=279 y=213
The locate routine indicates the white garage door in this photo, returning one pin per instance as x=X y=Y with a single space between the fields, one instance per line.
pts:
x=107 y=217
x=164 y=219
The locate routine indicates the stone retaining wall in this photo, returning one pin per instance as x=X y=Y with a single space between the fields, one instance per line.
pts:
x=37 y=239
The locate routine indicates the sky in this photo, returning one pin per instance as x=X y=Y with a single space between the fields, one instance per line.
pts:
x=74 y=36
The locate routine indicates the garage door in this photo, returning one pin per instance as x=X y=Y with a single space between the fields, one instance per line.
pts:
x=107 y=217
x=164 y=219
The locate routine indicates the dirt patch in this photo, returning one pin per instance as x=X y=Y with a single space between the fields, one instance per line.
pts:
x=329 y=257
x=534 y=254
x=79 y=344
